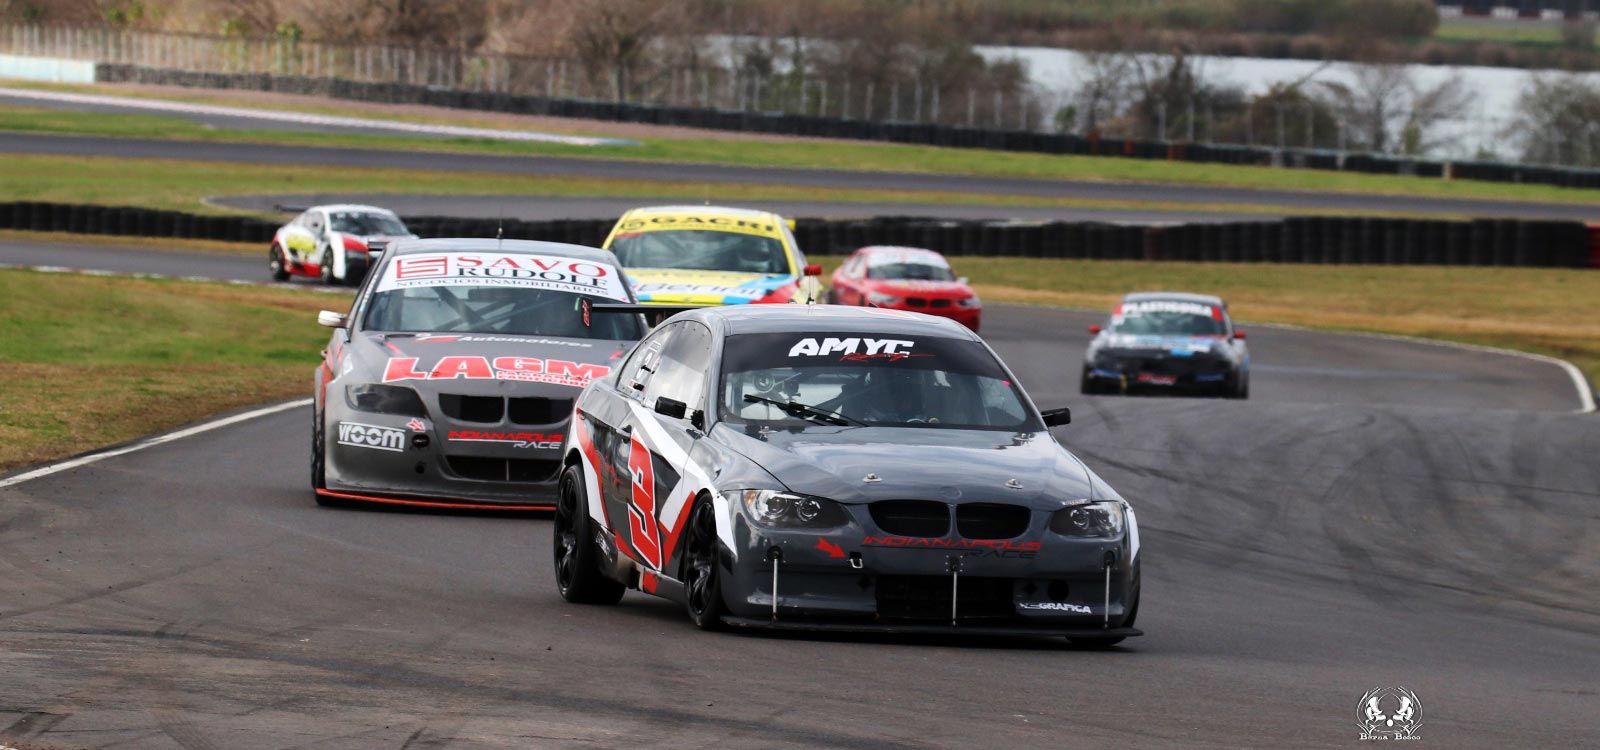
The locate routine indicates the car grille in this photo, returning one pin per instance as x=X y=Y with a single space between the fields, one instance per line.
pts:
x=916 y=302
x=488 y=409
x=539 y=411
x=939 y=303
x=503 y=469
x=911 y=517
x=928 y=597
x=992 y=520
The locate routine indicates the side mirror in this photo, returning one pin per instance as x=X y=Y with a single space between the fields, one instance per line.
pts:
x=962 y=280
x=1094 y=329
x=789 y=223
x=1057 y=417
x=668 y=407
x=815 y=269
x=1238 y=334
x=332 y=319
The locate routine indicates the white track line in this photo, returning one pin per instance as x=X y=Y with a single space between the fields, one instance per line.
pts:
x=73 y=463
x=302 y=118
x=159 y=276
x=1579 y=382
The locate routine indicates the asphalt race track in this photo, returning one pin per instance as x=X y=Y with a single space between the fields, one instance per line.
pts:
x=541 y=208
x=1412 y=515
x=549 y=166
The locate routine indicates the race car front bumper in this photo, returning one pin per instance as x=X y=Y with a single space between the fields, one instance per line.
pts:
x=844 y=579
x=1169 y=375
x=412 y=461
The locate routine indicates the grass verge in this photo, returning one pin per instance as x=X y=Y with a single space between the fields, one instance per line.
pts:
x=1528 y=309
x=87 y=362
x=157 y=183
x=851 y=155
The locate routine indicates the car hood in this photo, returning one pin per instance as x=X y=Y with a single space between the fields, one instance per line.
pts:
x=369 y=238
x=907 y=287
x=1176 y=345
x=957 y=466
x=482 y=364
x=665 y=285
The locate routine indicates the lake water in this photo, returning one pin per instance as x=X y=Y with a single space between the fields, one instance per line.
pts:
x=1494 y=90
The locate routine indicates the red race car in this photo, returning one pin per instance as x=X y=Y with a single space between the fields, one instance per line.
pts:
x=905 y=278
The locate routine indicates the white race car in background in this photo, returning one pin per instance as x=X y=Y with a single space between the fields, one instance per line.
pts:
x=332 y=243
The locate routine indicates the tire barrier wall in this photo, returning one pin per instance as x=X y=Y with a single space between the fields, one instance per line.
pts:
x=1330 y=240
x=833 y=127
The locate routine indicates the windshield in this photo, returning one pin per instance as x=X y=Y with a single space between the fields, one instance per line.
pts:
x=366 y=224
x=510 y=311
x=1168 y=318
x=701 y=250
x=898 y=381
x=910 y=272
x=516 y=294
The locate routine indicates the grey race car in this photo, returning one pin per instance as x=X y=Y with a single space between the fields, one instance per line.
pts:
x=838 y=468
x=1168 y=342
x=452 y=379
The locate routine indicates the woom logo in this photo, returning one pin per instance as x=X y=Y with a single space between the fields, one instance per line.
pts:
x=371 y=436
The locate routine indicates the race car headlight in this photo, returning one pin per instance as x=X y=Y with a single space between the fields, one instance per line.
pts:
x=1090 y=520
x=969 y=302
x=882 y=299
x=384 y=399
x=788 y=510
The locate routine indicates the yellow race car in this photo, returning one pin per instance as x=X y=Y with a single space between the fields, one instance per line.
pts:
x=709 y=255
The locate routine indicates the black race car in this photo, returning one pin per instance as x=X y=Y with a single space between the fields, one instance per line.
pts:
x=838 y=468
x=1165 y=342
x=452 y=379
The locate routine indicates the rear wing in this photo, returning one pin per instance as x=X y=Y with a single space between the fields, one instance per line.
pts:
x=654 y=313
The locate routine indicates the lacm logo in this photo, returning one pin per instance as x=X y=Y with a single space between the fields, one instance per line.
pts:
x=852 y=345
x=371 y=436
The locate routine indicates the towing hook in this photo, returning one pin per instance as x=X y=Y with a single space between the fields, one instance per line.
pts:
x=775 y=556
x=856 y=561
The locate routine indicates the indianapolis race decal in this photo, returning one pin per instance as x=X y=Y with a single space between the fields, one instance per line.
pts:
x=535 y=440
x=505 y=269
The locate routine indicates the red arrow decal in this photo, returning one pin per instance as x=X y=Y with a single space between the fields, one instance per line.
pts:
x=832 y=549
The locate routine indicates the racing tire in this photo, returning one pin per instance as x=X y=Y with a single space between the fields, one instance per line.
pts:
x=577 y=569
x=1087 y=386
x=319 y=463
x=1238 y=387
x=1095 y=644
x=352 y=277
x=328 y=278
x=702 y=581
x=276 y=265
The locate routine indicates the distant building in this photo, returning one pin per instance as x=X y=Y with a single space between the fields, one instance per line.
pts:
x=1549 y=10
